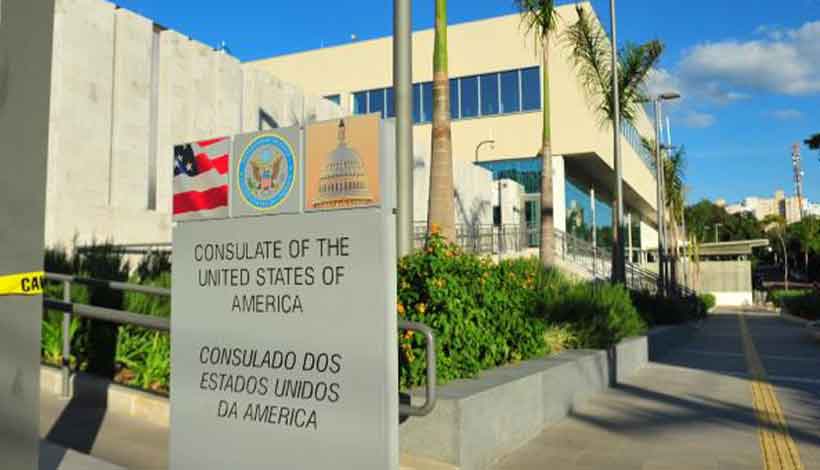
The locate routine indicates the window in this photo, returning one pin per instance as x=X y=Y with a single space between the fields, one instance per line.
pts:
x=489 y=94
x=426 y=102
x=360 y=102
x=469 y=97
x=530 y=89
x=334 y=98
x=416 y=103
x=376 y=101
x=391 y=103
x=510 y=102
x=455 y=112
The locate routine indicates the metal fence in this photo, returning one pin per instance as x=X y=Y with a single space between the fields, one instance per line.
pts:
x=122 y=317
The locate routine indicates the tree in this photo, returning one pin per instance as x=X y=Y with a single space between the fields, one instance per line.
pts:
x=592 y=57
x=540 y=19
x=813 y=142
x=701 y=219
x=776 y=228
x=807 y=234
x=441 y=206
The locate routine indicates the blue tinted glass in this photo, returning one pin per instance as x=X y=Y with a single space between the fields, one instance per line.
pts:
x=391 y=110
x=579 y=211
x=469 y=96
x=334 y=98
x=360 y=102
x=376 y=101
x=531 y=89
x=603 y=222
x=509 y=92
x=489 y=94
x=427 y=102
x=416 y=104
x=454 y=111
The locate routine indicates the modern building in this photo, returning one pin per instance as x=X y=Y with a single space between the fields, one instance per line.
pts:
x=786 y=207
x=124 y=91
x=496 y=92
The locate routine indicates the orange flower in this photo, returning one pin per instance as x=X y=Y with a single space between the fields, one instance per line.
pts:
x=434 y=229
x=421 y=308
x=400 y=309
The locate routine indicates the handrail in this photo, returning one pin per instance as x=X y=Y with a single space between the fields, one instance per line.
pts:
x=109 y=314
x=115 y=285
x=164 y=324
x=430 y=386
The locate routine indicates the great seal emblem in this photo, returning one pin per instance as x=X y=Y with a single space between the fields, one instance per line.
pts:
x=266 y=171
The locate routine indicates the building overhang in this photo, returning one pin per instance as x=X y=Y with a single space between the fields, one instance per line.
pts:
x=592 y=169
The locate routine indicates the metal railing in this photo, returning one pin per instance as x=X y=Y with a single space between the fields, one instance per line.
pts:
x=123 y=317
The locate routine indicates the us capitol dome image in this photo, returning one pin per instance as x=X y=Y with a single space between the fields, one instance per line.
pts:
x=343 y=181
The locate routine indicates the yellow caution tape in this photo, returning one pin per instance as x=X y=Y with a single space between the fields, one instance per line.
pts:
x=22 y=283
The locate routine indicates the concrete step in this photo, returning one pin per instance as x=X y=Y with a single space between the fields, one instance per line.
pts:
x=412 y=462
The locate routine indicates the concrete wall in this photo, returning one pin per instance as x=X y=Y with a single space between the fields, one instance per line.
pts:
x=491 y=45
x=124 y=91
x=473 y=191
x=730 y=281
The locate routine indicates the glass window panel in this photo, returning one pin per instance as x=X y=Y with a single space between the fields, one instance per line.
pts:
x=469 y=97
x=510 y=102
x=360 y=102
x=579 y=211
x=376 y=101
x=416 y=103
x=427 y=102
x=603 y=222
x=391 y=109
x=334 y=98
x=489 y=94
x=454 y=111
x=530 y=89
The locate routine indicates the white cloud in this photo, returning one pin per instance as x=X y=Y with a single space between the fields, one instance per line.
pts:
x=786 y=114
x=698 y=120
x=785 y=62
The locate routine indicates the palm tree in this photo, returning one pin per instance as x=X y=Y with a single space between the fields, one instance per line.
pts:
x=540 y=19
x=674 y=167
x=592 y=56
x=776 y=228
x=441 y=206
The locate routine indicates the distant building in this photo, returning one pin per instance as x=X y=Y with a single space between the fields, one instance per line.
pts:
x=787 y=207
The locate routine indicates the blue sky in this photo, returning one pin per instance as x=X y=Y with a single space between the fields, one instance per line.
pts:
x=749 y=70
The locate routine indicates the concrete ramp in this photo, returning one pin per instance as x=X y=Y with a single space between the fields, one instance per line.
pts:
x=54 y=457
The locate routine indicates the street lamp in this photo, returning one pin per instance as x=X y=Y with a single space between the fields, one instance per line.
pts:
x=481 y=144
x=403 y=96
x=661 y=196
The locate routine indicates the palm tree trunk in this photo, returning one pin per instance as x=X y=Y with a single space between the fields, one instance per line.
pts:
x=441 y=206
x=547 y=250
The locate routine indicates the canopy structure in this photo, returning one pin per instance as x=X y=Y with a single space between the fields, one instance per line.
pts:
x=739 y=249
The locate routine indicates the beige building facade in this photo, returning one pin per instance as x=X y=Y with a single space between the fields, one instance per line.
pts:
x=496 y=107
x=787 y=207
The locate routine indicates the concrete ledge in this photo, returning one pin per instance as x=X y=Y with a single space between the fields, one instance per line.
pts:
x=54 y=457
x=118 y=398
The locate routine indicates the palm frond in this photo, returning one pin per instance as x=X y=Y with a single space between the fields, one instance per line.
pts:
x=538 y=16
x=590 y=55
x=635 y=63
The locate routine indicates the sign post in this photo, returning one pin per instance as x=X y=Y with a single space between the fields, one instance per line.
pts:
x=284 y=327
x=25 y=87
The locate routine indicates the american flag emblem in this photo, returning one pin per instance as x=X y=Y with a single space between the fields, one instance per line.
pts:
x=201 y=179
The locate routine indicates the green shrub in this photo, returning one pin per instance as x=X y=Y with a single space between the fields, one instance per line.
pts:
x=658 y=310
x=708 y=301
x=599 y=314
x=805 y=305
x=778 y=297
x=483 y=314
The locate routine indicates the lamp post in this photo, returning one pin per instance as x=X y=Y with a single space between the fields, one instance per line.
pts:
x=661 y=197
x=618 y=254
x=403 y=96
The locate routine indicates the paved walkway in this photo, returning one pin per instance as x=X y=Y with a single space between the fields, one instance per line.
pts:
x=695 y=409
